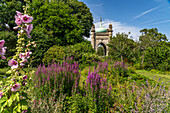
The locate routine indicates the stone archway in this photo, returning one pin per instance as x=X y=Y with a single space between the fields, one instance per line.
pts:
x=101 y=35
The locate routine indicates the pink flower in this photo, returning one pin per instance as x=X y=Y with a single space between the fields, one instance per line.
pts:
x=15 y=87
x=27 y=54
x=15 y=28
x=1 y=94
x=26 y=19
x=2 y=42
x=22 y=56
x=19 y=13
x=28 y=30
x=18 y=20
x=2 y=52
x=24 y=77
x=13 y=64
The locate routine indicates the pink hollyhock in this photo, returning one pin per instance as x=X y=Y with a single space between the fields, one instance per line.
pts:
x=1 y=94
x=26 y=19
x=24 y=77
x=28 y=30
x=15 y=28
x=19 y=13
x=27 y=54
x=2 y=52
x=15 y=87
x=2 y=42
x=18 y=20
x=13 y=64
x=22 y=56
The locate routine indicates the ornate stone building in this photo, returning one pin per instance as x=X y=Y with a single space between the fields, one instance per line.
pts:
x=101 y=36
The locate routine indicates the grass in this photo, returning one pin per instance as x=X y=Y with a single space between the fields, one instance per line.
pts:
x=164 y=77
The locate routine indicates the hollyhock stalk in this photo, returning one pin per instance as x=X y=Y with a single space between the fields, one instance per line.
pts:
x=15 y=85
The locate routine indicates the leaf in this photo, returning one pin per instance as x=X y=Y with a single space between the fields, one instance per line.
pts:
x=6 y=111
x=8 y=72
x=10 y=101
x=17 y=96
x=3 y=99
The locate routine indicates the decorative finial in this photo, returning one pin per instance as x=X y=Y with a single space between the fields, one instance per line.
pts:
x=100 y=19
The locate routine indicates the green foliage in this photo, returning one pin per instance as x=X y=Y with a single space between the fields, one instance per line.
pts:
x=158 y=57
x=10 y=43
x=7 y=12
x=57 y=22
x=83 y=53
x=100 y=51
x=56 y=53
x=84 y=15
x=120 y=46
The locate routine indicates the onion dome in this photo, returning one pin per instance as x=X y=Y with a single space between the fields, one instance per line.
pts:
x=101 y=29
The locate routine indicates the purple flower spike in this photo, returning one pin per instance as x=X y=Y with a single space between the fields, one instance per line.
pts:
x=15 y=87
x=13 y=64
x=1 y=94
x=24 y=77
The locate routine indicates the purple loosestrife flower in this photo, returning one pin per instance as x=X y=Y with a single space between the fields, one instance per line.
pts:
x=13 y=64
x=15 y=87
x=1 y=94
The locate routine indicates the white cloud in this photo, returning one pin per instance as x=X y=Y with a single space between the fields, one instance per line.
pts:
x=121 y=28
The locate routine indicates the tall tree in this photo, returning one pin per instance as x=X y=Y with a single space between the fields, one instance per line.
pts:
x=120 y=46
x=150 y=38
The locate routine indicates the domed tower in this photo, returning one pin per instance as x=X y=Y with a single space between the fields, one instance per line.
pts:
x=101 y=36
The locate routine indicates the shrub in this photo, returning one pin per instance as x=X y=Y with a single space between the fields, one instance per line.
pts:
x=56 y=53
x=83 y=53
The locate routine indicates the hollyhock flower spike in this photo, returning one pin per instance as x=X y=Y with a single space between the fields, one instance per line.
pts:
x=26 y=19
x=13 y=64
x=15 y=87
x=1 y=94
x=2 y=42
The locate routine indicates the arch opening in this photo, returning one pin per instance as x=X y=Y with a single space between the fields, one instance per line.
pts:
x=101 y=49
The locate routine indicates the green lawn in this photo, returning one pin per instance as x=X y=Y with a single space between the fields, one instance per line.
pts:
x=164 y=77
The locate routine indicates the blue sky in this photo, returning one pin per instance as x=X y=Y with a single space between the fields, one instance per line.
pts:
x=132 y=15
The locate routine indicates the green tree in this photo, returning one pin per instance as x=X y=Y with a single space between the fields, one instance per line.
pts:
x=120 y=46
x=83 y=14
x=7 y=14
x=150 y=38
x=57 y=22
x=100 y=51
x=158 y=57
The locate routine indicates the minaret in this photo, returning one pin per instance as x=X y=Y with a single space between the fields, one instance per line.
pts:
x=93 y=43
x=110 y=31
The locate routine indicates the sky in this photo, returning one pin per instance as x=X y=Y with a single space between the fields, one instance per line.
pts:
x=131 y=15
